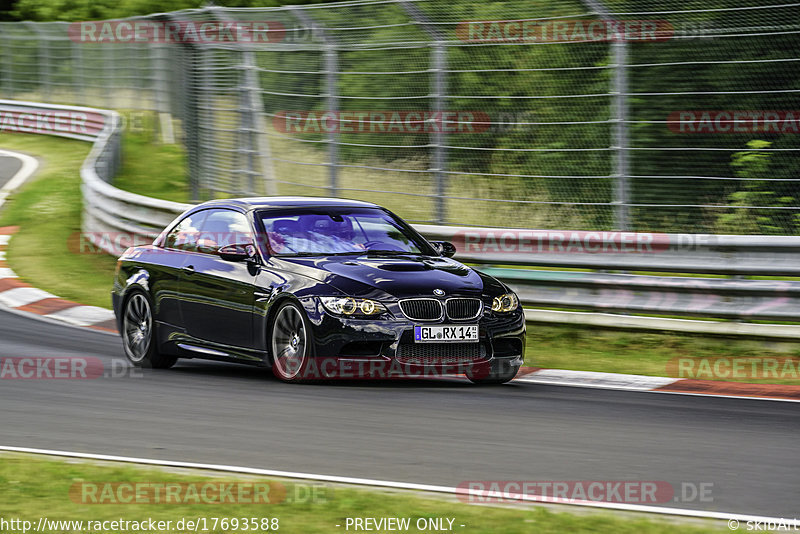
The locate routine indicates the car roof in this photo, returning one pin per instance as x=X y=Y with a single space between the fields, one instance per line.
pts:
x=285 y=202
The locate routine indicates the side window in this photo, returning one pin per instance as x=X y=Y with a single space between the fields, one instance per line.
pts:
x=221 y=228
x=184 y=235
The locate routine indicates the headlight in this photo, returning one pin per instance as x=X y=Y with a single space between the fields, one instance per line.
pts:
x=352 y=307
x=505 y=303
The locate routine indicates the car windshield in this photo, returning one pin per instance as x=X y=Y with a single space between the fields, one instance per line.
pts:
x=338 y=231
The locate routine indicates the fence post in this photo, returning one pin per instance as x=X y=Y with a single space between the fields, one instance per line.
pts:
x=331 y=71
x=331 y=92
x=43 y=60
x=439 y=155
x=438 y=95
x=78 y=73
x=107 y=78
x=8 y=61
x=622 y=189
x=159 y=66
x=254 y=105
x=620 y=140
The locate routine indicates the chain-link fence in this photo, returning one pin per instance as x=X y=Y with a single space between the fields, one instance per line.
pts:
x=572 y=114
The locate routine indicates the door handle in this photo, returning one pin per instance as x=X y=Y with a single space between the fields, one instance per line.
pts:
x=188 y=269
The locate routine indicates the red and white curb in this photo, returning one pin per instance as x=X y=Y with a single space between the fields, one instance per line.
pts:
x=20 y=296
x=659 y=384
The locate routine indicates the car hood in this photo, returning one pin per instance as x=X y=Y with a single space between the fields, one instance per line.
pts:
x=396 y=276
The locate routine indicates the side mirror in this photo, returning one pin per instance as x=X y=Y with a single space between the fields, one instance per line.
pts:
x=444 y=248
x=237 y=252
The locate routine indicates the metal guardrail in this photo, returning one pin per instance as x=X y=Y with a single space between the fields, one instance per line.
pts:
x=111 y=211
x=106 y=209
x=736 y=255
x=591 y=255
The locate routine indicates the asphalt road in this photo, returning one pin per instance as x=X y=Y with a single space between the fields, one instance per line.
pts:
x=8 y=168
x=436 y=432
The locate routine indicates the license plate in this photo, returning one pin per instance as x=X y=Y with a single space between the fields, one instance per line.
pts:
x=446 y=333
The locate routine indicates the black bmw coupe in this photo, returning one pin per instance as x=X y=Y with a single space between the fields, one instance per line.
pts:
x=316 y=289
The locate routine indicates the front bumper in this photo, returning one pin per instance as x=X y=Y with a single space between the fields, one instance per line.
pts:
x=386 y=347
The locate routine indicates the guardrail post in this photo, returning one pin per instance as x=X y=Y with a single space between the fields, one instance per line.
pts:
x=331 y=60
x=619 y=116
x=438 y=96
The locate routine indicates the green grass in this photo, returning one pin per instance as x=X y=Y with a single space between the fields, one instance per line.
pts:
x=155 y=170
x=35 y=487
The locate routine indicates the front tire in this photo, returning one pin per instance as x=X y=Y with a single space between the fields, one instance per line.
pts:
x=138 y=334
x=290 y=343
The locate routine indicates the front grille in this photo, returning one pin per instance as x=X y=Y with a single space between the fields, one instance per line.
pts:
x=463 y=308
x=440 y=353
x=421 y=309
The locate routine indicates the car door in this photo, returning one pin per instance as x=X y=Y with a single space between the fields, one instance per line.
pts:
x=165 y=269
x=217 y=295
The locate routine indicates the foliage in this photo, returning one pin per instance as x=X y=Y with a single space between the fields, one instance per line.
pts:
x=76 y=10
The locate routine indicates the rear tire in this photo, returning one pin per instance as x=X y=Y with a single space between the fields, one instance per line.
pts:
x=291 y=343
x=139 y=334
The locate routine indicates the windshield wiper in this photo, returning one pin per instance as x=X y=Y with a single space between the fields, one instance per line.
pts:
x=390 y=252
x=307 y=254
